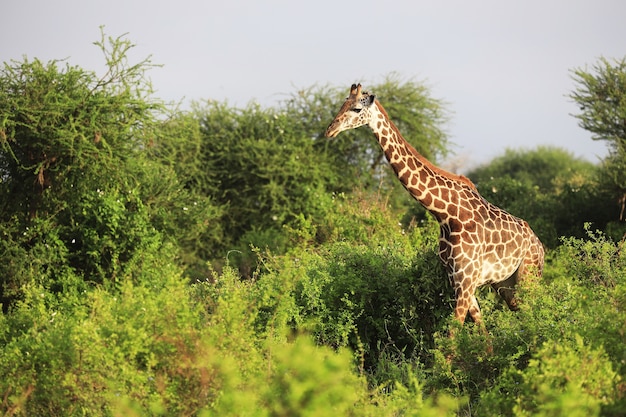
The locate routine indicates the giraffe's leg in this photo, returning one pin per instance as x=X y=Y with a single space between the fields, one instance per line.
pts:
x=466 y=301
x=532 y=265
x=506 y=289
x=469 y=304
x=474 y=311
x=462 y=305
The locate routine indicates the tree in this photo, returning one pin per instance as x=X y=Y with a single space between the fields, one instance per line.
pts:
x=600 y=94
x=80 y=200
x=260 y=166
x=545 y=167
x=272 y=167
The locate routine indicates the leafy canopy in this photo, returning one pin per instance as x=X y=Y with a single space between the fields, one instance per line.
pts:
x=600 y=94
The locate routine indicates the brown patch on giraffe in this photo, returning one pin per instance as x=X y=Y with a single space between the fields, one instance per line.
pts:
x=404 y=178
x=454 y=239
x=465 y=215
x=445 y=194
x=470 y=227
x=444 y=250
x=454 y=197
x=458 y=292
x=468 y=195
x=439 y=204
x=454 y=224
x=466 y=247
x=427 y=200
x=413 y=191
x=389 y=153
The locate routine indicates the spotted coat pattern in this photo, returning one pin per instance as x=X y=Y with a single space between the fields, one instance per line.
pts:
x=479 y=243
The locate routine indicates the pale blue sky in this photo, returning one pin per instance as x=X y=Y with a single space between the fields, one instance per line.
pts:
x=503 y=67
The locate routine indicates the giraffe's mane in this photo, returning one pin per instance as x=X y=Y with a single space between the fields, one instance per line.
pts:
x=440 y=171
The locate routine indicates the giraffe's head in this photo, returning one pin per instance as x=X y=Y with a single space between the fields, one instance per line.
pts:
x=355 y=112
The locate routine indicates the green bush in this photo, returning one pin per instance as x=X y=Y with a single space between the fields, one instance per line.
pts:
x=373 y=286
x=560 y=379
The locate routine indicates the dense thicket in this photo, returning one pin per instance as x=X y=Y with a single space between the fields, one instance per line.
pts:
x=130 y=286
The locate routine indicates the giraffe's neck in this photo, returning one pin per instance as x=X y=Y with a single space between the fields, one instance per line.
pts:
x=419 y=176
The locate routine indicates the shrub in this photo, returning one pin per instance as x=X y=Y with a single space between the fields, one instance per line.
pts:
x=373 y=286
x=560 y=379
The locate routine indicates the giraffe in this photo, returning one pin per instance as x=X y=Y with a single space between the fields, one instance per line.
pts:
x=479 y=243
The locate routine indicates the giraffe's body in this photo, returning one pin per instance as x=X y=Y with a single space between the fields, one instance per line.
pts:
x=479 y=243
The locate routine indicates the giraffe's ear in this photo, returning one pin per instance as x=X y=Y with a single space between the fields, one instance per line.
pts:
x=369 y=100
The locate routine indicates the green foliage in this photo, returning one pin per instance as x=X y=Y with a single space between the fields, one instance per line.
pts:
x=374 y=287
x=310 y=381
x=266 y=168
x=80 y=195
x=259 y=168
x=111 y=206
x=600 y=94
x=547 y=168
x=60 y=126
x=227 y=346
x=560 y=379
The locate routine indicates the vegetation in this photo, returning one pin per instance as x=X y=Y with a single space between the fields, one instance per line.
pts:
x=231 y=261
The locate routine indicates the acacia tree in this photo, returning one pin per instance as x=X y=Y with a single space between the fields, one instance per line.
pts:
x=80 y=200
x=272 y=167
x=257 y=164
x=600 y=94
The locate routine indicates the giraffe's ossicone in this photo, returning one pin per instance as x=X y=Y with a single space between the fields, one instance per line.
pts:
x=479 y=243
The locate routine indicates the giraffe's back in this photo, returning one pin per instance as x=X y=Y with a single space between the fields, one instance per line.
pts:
x=487 y=241
x=508 y=243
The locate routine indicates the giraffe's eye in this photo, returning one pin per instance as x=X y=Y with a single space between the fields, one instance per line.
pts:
x=356 y=110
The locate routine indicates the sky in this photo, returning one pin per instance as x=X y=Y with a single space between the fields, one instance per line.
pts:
x=503 y=68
